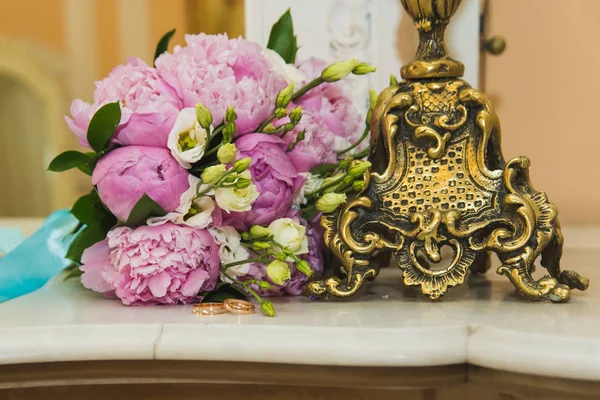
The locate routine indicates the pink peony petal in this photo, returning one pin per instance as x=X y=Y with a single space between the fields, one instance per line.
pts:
x=194 y=282
x=158 y=284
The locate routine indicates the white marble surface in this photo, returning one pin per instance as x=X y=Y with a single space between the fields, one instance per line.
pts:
x=483 y=322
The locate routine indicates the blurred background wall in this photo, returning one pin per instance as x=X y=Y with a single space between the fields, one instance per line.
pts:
x=51 y=51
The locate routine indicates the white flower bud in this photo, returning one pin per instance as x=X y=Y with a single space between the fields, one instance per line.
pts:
x=280 y=112
x=264 y=285
x=339 y=70
x=230 y=114
x=267 y=308
x=203 y=116
x=357 y=186
x=372 y=99
x=285 y=96
x=212 y=175
x=358 y=169
x=279 y=272
x=363 y=68
x=296 y=115
x=304 y=267
x=329 y=202
x=242 y=164
x=258 y=231
x=226 y=153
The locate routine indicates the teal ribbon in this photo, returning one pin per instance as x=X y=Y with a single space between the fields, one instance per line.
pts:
x=10 y=238
x=39 y=258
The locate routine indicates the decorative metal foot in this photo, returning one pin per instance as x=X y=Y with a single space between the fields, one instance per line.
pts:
x=355 y=266
x=439 y=179
x=482 y=263
x=546 y=288
x=334 y=287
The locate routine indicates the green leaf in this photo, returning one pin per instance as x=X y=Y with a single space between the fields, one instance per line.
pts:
x=323 y=169
x=72 y=271
x=222 y=292
x=282 y=39
x=89 y=210
x=67 y=160
x=309 y=214
x=103 y=126
x=86 y=169
x=85 y=238
x=144 y=209
x=163 y=44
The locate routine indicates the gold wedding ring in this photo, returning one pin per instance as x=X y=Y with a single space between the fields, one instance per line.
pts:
x=236 y=306
x=209 y=309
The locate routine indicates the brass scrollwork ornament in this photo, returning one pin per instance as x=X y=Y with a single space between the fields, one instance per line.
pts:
x=439 y=180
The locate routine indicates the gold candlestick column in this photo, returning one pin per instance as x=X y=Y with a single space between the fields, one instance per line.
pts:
x=439 y=179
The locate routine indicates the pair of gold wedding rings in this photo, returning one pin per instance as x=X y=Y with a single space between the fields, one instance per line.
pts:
x=233 y=306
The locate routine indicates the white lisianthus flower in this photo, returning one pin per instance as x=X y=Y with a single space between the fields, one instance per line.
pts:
x=187 y=139
x=312 y=182
x=290 y=234
x=234 y=199
x=230 y=250
x=288 y=71
x=191 y=212
x=199 y=214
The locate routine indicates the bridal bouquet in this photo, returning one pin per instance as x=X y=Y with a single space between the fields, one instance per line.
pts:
x=210 y=169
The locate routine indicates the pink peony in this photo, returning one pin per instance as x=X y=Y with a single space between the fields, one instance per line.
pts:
x=164 y=264
x=149 y=106
x=274 y=175
x=218 y=72
x=126 y=173
x=336 y=110
x=293 y=287
x=318 y=144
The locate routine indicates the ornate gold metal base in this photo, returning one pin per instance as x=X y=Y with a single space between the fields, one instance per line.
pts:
x=439 y=179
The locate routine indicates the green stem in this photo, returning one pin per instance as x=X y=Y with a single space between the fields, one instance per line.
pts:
x=359 y=141
x=330 y=184
x=276 y=131
x=202 y=193
x=266 y=122
x=245 y=286
x=216 y=185
x=301 y=92
x=242 y=262
x=362 y=154
x=202 y=168
x=213 y=150
x=214 y=133
x=285 y=132
x=282 y=247
x=309 y=86
x=308 y=208
x=210 y=137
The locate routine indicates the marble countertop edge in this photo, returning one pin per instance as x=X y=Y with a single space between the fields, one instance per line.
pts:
x=535 y=353
x=215 y=342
